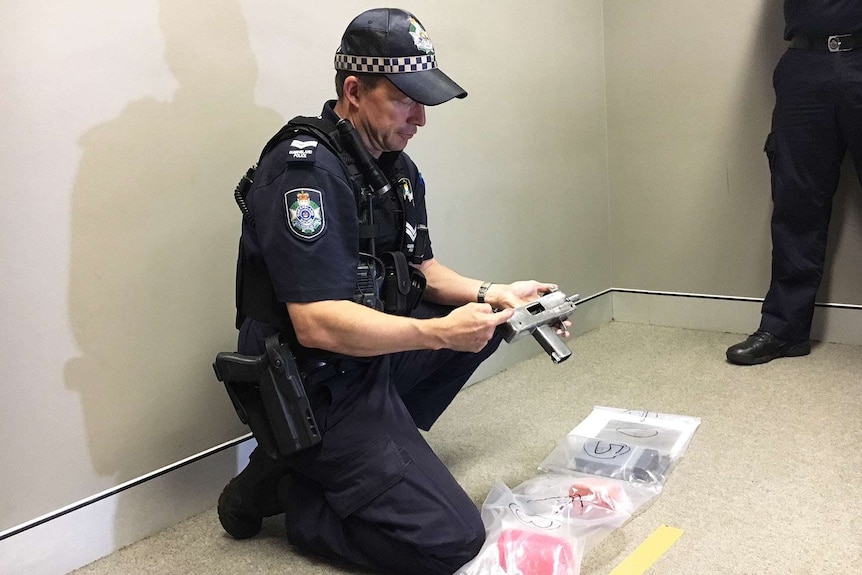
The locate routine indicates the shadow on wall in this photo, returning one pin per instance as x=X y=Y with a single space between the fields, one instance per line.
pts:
x=154 y=235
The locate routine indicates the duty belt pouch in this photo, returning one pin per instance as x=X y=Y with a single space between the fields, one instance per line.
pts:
x=268 y=395
x=402 y=284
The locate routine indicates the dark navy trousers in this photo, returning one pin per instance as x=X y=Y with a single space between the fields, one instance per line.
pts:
x=817 y=118
x=373 y=492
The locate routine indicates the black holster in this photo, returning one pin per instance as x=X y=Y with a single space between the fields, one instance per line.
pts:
x=268 y=395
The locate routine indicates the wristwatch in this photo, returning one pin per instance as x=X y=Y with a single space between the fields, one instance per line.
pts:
x=480 y=297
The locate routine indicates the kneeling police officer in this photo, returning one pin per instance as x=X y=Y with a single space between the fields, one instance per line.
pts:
x=337 y=259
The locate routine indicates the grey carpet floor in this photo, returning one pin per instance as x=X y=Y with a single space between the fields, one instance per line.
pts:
x=770 y=484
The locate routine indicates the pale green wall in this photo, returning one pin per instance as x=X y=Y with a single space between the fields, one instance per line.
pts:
x=125 y=128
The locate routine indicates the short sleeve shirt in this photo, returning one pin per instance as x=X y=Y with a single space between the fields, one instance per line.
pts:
x=307 y=220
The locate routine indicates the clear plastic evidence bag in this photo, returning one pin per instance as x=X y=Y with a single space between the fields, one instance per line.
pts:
x=600 y=474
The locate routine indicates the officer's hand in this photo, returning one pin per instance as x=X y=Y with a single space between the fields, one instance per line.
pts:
x=517 y=293
x=471 y=326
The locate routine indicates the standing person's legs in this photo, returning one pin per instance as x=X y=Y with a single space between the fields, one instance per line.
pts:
x=805 y=150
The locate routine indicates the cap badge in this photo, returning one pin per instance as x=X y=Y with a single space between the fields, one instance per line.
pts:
x=304 y=209
x=420 y=37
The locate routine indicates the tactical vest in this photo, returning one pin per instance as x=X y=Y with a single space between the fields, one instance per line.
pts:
x=384 y=280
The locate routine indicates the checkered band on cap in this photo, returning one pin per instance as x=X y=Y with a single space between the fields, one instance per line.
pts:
x=379 y=65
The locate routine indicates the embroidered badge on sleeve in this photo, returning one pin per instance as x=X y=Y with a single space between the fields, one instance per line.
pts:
x=304 y=210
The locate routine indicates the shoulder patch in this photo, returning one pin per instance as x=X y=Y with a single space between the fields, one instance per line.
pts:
x=304 y=210
x=302 y=150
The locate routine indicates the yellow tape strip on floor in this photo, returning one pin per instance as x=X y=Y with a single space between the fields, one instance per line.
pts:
x=648 y=552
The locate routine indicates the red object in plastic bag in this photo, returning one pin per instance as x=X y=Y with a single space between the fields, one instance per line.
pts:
x=534 y=553
x=597 y=497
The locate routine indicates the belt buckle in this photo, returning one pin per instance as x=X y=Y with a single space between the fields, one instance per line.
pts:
x=834 y=43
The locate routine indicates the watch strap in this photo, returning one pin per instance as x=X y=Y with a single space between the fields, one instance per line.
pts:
x=480 y=297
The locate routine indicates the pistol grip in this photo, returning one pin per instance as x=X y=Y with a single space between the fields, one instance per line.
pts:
x=553 y=345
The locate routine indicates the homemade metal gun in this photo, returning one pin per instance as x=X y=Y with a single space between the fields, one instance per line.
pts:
x=540 y=318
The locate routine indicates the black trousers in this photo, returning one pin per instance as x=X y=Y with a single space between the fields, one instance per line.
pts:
x=373 y=492
x=817 y=118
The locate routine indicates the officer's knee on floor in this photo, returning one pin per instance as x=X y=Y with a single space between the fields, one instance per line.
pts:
x=456 y=557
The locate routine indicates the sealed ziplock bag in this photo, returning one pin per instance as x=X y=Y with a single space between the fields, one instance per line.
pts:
x=525 y=539
x=605 y=470
x=637 y=447
x=591 y=507
x=546 y=524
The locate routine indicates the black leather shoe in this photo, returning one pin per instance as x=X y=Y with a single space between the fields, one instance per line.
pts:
x=248 y=498
x=762 y=346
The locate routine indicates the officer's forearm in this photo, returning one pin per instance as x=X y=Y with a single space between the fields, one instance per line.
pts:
x=446 y=286
x=348 y=328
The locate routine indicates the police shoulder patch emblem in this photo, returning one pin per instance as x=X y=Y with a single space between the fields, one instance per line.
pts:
x=304 y=210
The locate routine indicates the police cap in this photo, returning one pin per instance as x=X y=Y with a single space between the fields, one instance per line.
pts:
x=392 y=42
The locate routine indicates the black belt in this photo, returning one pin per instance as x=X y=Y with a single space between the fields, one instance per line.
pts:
x=314 y=372
x=837 y=43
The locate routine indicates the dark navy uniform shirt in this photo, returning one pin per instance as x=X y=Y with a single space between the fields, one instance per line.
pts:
x=307 y=222
x=822 y=17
